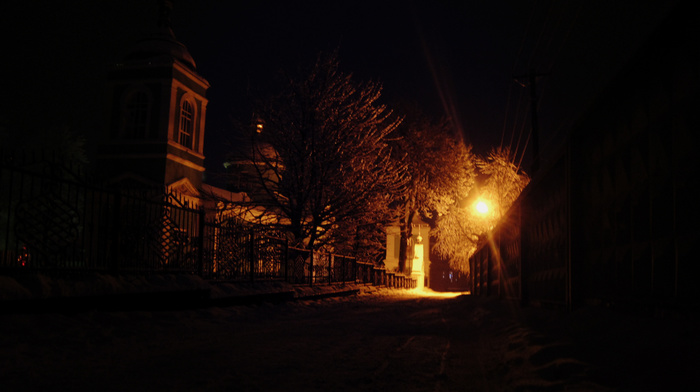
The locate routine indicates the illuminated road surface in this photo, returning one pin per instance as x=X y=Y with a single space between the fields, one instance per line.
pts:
x=395 y=341
x=405 y=342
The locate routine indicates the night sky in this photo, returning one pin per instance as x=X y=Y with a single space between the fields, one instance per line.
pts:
x=456 y=58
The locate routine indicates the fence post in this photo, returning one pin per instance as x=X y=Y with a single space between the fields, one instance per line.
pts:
x=342 y=270
x=200 y=245
x=331 y=259
x=251 y=255
x=354 y=270
x=115 y=250
x=286 y=260
x=311 y=267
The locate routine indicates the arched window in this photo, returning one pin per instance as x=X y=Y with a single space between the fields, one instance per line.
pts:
x=186 y=128
x=136 y=115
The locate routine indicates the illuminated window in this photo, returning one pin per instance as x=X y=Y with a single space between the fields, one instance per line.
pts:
x=186 y=124
x=136 y=115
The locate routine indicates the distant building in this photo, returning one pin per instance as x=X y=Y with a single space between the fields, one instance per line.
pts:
x=418 y=252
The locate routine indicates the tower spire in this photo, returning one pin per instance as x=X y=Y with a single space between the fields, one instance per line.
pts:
x=165 y=15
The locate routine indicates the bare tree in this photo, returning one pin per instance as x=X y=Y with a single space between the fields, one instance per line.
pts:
x=319 y=157
x=441 y=172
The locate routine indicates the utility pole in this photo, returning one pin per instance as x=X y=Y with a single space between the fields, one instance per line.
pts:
x=532 y=81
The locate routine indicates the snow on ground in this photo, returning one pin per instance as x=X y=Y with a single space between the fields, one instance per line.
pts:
x=368 y=338
x=37 y=286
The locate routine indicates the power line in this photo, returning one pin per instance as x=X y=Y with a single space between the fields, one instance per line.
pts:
x=510 y=89
x=537 y=45
x=520 y=135
x=539 y=39
x=569 y=121
x=535 y=98
x=532 y=83
x=516 y=119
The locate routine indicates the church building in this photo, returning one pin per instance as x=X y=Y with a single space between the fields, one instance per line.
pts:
x=156 y=110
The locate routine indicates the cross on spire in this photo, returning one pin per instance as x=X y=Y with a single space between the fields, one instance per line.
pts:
x=165 y=13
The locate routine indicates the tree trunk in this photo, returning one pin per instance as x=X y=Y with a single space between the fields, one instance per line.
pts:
x=406 y=233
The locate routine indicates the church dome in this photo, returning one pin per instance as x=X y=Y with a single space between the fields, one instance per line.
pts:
x=158 y=45
x=162 y=42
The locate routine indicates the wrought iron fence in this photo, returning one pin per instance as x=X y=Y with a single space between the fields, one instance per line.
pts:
x=48 y=222
x=54 y=223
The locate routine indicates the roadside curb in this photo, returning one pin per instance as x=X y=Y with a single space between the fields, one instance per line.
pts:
x=100 y=292
x=157 y=301
x=160 y=300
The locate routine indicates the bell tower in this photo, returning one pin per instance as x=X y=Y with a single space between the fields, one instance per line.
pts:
x=155 y=115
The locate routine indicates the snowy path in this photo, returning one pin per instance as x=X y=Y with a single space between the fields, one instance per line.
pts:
x=380 y=342
x=375 y=342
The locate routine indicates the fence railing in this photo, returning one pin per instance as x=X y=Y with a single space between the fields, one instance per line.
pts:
x=53 y=223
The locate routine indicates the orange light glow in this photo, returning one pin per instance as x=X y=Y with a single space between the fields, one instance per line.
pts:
x=426 y=292
x=482 y=207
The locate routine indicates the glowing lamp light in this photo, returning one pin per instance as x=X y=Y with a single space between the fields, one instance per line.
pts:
x=482 y=207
